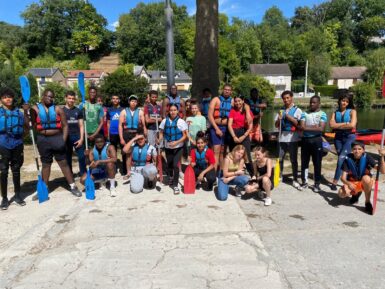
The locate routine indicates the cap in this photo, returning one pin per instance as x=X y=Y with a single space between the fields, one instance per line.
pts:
x=133 y=96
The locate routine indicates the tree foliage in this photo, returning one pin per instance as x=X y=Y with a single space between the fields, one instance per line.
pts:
x=243 y=83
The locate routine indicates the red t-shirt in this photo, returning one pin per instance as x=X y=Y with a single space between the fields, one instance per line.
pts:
x=239 y=119
x=210 y=158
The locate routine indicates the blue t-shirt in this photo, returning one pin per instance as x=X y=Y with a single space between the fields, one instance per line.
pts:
x=113 y=115
x=313 y=118
x=73 y=115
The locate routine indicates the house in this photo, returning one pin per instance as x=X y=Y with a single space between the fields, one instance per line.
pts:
x=158 y=78
x=278 y=75
x=44 y=75
x=345 y=77
x=90 y=76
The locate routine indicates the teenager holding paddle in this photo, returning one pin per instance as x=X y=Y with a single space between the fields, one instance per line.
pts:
x=52 y=133
x=13 y=125
x=356 y=176
x=343 y=121
x=173 y=130
x=153 y=117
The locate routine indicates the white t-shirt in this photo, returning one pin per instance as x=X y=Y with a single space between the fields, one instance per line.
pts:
x=181 y=124
x=290 y=136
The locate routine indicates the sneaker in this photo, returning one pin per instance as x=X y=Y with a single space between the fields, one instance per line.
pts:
x=198 y=186
x=238 y=192
x=369 y=208
x=354 y=199
x=19 y=201
x=75 y=191
x=333 y=187
x=297 y=186
x=4 y=204
x=176 y=191
x=113 y=192
x=304 y=186
x=268 y=201
x=316 y=188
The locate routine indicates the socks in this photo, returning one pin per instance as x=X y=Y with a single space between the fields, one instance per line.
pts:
x=112 y=183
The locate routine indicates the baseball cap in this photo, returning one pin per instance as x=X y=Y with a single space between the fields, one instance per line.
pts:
x=133 y=96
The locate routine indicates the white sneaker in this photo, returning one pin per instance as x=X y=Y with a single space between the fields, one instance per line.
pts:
x=268 y=201
x=176 y=191
x=297 y=186
x=113 y=192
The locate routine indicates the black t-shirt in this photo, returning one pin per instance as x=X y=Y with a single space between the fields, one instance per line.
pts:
x=73 y=115
x=370 y=164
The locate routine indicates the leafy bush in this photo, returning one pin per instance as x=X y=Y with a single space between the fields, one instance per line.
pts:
x=298 y=85
x=243 y=83
x=364 y=93
x=325 y=90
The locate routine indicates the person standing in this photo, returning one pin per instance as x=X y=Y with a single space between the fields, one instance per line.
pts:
x=152 y=115
x=256 y=106
x=173 y=130
x=312 y=124
x=174 y=98
x=343 y=122
x=52 y=133
x=287 y=121
x=130 y=120
x=196 y=122
x=75 y=138
x=206 y=99
x=13 y=125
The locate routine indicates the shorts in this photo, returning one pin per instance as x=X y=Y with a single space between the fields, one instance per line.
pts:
x=99 y=173
x=51 y=146
x=346 y=192
x=136 y=182
x=215 y=139
x=151 y=137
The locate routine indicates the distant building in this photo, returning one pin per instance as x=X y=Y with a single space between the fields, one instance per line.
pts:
x=345 y=77
x=90 y=76
x=44 y=75
x=158 y=78
x=278 y=75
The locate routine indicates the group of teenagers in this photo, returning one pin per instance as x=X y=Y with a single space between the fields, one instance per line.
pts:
x=213 y=135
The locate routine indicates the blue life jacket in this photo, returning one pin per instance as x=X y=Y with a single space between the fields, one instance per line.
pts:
x=288 y=125
x=225 y=107
x=205 y=106
x=201 y=158
x=171 y=130
x=356 y=172
x=139 y=155
x=101 y=156
x=11 y=122
x=132 y=121
x=175 y=100
x=48 y=120
x=254 y=105
x=342 y=119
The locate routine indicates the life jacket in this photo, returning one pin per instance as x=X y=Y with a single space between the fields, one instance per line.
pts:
x=132 y=121
x=201 y=158
x=139 y=155
x=288 y=125
x=47 y=120
x=339 y=118
x=11 y=122
x=205 y=106
x=171 y=130
x=102 y=155
x=223 y=110
x=356 y=173
x=254 y=105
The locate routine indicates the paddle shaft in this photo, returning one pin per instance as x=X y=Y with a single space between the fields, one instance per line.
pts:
x=33 y=141
x=85 y=125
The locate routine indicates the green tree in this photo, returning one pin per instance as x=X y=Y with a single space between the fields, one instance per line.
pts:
x=364 y=93
x=319 y=69
x=245 y=82
x=44 y=61
x=375 y=62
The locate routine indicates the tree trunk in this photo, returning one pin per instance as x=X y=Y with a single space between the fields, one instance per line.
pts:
x=206 y=64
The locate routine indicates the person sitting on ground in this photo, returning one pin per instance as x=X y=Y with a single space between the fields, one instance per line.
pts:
x=264 y=177
x=102 y=162
x=356 y=175
x=203 y=162
x=141 y=159
x=233 y=173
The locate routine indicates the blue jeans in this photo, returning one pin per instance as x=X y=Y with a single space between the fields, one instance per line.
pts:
x=343 y=144
x=79 y=151
x=223 y=189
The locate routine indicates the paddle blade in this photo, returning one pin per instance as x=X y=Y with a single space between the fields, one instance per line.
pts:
x=90 y=187
x=42 y=190
x=81 y=85
x=375 y=194
x=277 y=172
x=25 y=89
x=160 y=167
x=189 y=181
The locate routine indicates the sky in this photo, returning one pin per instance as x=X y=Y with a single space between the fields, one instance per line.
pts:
x=111 y=9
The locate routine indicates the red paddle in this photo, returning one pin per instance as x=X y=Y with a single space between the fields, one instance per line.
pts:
x=189 y=180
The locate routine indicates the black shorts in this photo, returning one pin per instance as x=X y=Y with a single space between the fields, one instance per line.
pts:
x=51 y=146
x=13 y=157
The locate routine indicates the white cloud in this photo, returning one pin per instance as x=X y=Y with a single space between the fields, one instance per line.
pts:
x=115 y=24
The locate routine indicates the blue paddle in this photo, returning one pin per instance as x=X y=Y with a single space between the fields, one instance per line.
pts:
x=89 y=184
x=42 y=190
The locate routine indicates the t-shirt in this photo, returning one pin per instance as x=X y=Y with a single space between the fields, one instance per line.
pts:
x=113 y=115
x=370 y=164
x=313 y=118
x=290 y=136
x=73 y=115
x=239 y=118
x=195 y=124
x=156 y=111
x=181 y=124
x=209 y=156
x=94 y=112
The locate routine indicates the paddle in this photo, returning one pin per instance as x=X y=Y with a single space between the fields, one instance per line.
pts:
x=159 y=163
x=42 y=190
x=189 y=174
x=277 y=168
x=89 y=183
x=375 y=194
